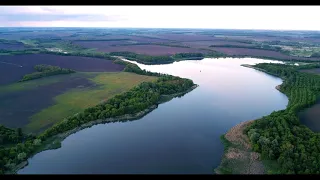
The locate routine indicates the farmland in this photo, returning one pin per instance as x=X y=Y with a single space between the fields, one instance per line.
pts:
x=57 y=99
x=260 y=52
x=23 y=49
x=154 y=50
x=60 y=96
x=167 y=42
x=12 y=68
x=11 y=46
x=66 y=47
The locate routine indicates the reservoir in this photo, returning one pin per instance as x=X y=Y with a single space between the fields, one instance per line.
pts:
x=180 y=136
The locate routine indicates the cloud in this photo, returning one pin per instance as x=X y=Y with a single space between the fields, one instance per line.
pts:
x=57 y=17
x=235 y=17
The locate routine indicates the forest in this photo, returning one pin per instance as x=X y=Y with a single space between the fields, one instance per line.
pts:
x=133 y=101
x=9 y=136
x=280 y=136
x=130 y=67
x=19 y=52
x=145 y=59
x=101 y=55
x=316 y=54
x=46 y=70
x=188 y=55
x=137 y=99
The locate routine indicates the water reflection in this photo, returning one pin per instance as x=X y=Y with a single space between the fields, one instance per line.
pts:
x=180 y=136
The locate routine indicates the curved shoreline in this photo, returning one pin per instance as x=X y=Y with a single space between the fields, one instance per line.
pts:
x=55 y=141
x=238 y=157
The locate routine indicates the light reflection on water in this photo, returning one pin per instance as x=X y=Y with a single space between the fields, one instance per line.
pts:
x=180 y=136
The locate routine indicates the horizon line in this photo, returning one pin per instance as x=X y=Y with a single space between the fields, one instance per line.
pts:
x=159 y=28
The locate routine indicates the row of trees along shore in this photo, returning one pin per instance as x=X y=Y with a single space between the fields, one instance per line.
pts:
x=280 y=136
x=16 y=147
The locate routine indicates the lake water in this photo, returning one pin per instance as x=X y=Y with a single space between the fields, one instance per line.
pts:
x=180 y=136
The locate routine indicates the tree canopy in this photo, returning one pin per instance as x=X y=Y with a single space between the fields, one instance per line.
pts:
x=280 y=136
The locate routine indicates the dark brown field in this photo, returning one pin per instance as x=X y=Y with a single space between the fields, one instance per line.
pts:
x=11 y=70
x=146 y=39
x=32 y=35
x=12 y=46
x=99 y=44
x=149 y=49
x=186 y=37
x=16 y=107
x=206 y=44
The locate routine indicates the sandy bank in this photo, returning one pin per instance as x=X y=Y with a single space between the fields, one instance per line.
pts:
x=238 y=157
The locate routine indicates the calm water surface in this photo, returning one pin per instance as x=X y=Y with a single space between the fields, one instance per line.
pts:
x=180 y=136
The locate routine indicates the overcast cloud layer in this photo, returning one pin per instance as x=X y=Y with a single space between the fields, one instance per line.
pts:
x=225 y=17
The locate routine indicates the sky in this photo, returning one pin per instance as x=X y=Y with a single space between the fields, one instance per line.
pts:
x=212 y=17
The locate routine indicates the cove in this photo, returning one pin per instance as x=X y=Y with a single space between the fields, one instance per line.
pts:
x=181 y=136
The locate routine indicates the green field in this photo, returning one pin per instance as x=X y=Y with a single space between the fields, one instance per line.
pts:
x=77 y=99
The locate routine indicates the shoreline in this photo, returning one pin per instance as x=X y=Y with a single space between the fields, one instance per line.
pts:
x=55 y=141
x=238 y=157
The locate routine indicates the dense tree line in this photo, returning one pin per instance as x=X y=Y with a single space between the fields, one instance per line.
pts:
x=130 y=67
x=295 y=44
x=13 y=155
x=216 y=54
x=145 y=59
x=188 y=55
x=308 y=66
x=19 y=52
x=123 y=39
x=133 y=101
x=280 y=136
x=10 y=136
x=262 y=46
x=46 y=70
x=316 y=55
x=100 y=55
